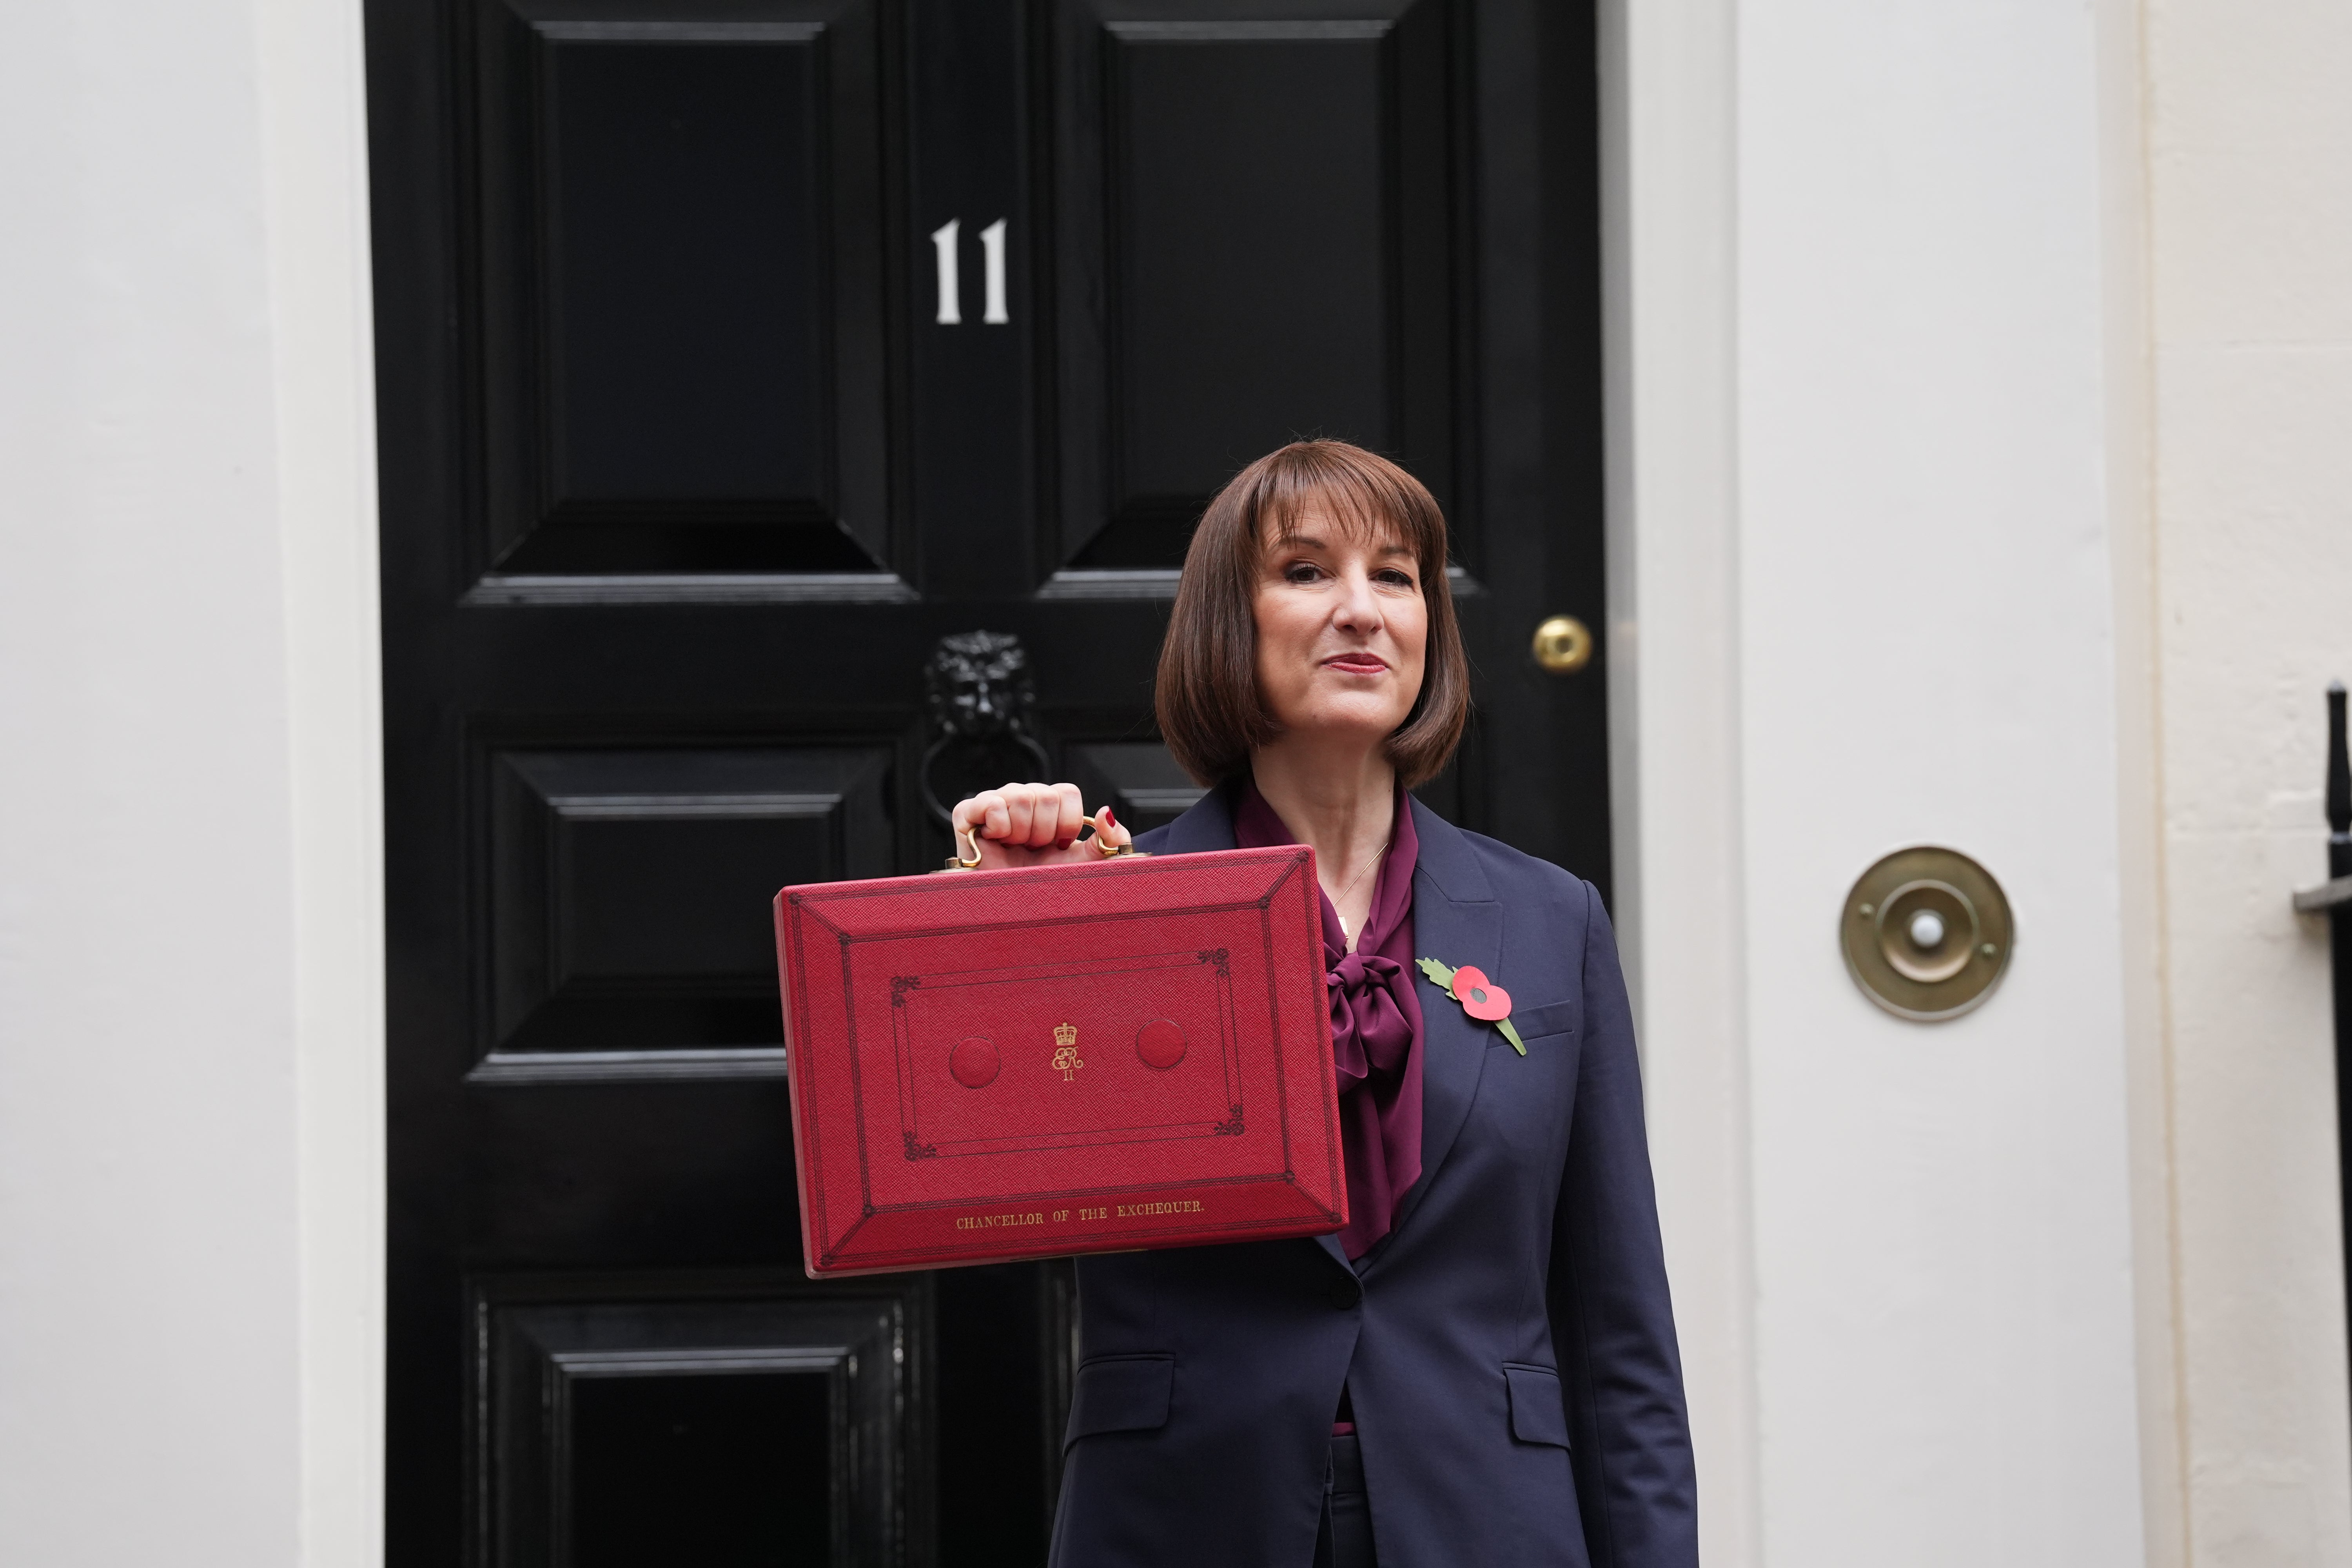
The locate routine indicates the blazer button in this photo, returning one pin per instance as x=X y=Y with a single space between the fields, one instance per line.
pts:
x=1346 y=1294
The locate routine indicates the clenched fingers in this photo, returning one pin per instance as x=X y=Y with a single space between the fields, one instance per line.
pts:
x=1032 y=815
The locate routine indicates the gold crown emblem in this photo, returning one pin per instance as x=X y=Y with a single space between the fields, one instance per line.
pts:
x=1065 y=1034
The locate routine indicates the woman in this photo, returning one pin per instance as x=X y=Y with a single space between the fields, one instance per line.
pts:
x=1481 y=1368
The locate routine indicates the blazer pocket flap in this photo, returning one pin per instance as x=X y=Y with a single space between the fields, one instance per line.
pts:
x=1121 y=1394
x=1537 y=1413
x=1551 y=1018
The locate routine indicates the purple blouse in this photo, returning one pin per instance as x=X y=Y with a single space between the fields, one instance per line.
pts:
x=1375 y=1027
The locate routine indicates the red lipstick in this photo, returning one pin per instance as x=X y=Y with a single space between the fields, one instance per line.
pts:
x=1358 y=662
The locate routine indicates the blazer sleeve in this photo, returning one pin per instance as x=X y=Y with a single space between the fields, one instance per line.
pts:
x=1612 y=1322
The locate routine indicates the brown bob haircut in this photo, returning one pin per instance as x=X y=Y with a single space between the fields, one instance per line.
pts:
x=1211 y=710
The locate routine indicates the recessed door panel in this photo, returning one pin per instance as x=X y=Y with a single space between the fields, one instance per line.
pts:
x=630 y=889
x=1250 y=237
x=684 y=267
x=1266 y=207
x=681 y=317
x=725 y=1422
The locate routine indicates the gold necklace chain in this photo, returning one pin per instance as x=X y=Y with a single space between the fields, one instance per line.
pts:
x=1359 y=877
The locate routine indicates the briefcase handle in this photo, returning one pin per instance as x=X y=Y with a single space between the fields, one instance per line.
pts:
x=1108 y=851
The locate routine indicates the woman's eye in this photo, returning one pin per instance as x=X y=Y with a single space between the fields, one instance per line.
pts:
x=1301 y=571
x=1396 y=579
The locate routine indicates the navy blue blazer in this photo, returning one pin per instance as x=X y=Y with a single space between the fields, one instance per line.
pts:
x=1509 y=1349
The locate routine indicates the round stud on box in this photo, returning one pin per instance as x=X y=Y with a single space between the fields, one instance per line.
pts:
x=1926 y=933
x=1160 y=1044
x=975 y=1062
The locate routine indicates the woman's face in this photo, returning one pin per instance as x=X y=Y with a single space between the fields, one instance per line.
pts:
x=1341 y=630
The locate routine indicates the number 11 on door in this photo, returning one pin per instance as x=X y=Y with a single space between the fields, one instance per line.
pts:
x=991 y=251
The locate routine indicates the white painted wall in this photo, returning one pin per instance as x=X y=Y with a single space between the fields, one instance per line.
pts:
x=191 y=1195
x=1906 y=521
x=1945 y=1327
x=2249 y=141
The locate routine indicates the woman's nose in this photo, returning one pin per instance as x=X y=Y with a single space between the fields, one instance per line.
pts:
x=1359 y=609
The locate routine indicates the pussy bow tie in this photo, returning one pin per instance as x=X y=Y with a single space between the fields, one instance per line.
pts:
x=1369 y=1036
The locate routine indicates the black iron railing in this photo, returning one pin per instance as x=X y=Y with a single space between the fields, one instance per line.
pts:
x=2334 y=897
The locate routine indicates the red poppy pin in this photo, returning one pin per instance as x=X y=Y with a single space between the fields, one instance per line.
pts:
x=1480 y=997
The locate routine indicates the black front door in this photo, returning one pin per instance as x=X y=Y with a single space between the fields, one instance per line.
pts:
x=793 y=413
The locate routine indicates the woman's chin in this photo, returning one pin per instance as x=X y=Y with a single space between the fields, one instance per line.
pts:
x=1367 y=723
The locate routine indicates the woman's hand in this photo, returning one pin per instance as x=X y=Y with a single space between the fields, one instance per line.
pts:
x=1032 y=825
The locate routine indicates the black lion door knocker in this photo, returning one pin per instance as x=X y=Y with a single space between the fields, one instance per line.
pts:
x=982 y=711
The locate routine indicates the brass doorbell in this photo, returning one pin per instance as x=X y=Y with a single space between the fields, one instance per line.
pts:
x=1926 y=933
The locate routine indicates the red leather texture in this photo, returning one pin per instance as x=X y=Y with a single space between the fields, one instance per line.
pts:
x=990 y=1065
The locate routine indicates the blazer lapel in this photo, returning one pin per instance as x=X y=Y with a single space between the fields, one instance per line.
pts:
x=1457 y=920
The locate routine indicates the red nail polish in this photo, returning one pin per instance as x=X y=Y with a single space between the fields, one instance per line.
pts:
x=1107 y=819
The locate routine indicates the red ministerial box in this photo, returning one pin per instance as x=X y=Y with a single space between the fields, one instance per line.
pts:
x=989 y=1065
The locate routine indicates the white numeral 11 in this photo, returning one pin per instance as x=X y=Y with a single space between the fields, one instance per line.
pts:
x=943 y=240
x=991 y=249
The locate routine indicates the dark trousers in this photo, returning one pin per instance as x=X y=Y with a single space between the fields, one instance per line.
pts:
x=1346 y=1538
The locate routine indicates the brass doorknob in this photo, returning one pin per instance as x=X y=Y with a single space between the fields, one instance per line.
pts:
x=1563 y=644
